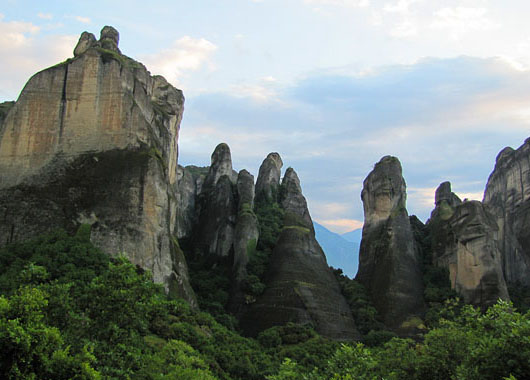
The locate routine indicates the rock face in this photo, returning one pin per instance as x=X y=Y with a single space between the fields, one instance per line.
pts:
x=94 y=140
x=300 y=286
x=268 y=180
x=214 y=233
x=507 y=197
x=388 y=259
x=464 y=240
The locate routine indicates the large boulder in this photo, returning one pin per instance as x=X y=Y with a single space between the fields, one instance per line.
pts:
x=300 y=286
x=94 y=140
x=389 y=265
x=507 y=197
x=465 y=240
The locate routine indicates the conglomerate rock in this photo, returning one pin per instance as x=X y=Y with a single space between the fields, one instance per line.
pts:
x=388 y=260
x=507 y=197
x=465 y=240
x=94 y=140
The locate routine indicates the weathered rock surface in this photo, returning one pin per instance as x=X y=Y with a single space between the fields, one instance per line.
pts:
x=388 y=260
x=190 y=181
x=94 y=140
x=507 y=197
x=268 y=180
x=4 y=109
x=464 y=240
x=214 y=232
x=300 y=286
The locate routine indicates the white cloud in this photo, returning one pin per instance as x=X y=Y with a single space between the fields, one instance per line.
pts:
x=83 y=20
x=45 y=16
x=186 y=55
x=24 y=51
x=406 y=28
x=340 y=3
x=402 y=6
x=460 y=20
x=341 y=226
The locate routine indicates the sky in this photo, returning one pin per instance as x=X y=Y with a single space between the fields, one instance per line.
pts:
x=331 y=85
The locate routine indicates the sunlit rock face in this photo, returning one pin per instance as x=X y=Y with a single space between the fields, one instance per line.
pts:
x=388 y=259
x=94 y=140
x=465 y=240
x=300 y=286
x=507 y=197
x=268 y=181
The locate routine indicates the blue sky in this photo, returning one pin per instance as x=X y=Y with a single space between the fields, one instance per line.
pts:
x=332 y=85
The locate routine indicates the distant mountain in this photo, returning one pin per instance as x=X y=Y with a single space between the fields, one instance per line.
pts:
x=340 y=252
x=353 y=236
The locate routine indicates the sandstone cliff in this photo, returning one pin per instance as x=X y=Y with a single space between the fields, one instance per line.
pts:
x=300 y=286
x=388 y=260
x=94 y=140
x=465 y=240
x=507 y=197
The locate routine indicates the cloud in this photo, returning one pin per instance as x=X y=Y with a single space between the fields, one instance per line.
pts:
x=45 y=16
x=445 y=119
x=187 y=54
x=341 y=226
x=340 y=3
x=460 y=20
x=83 y=20
x=24 y=50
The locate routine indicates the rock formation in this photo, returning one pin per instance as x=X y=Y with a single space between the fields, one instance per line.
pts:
x=507 y=197
x=268 y=180
x=464 y=240
x=300 y=286
x=388 y=259
x=94 y=140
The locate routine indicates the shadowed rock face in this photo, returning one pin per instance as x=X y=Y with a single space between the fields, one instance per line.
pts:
x=388 y=258
x=300 y=286
x=268 y=180
x=464 y=240
x=94 y=140
x=507 y=197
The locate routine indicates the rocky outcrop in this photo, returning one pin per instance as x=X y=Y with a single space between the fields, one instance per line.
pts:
x=94 y=140
x=507 y=197
x=268 y=180
x=464 y=240
x=388 y=260
x=4 y=109
x=300 y=286
x=189 y=185
x=214 y=232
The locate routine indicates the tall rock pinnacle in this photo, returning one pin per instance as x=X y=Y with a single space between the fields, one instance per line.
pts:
x=464 y=240
x=388 y=258
x=268 y=180
x=94 y=140
x=300 y=286
x=507 y=197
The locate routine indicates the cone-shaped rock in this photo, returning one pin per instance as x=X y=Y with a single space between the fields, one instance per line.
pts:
x=388 y=258
x=300 y=286
x=94 y=140
x=507 y=196
x=214 y=234
x=464 y=240
x=268 y=180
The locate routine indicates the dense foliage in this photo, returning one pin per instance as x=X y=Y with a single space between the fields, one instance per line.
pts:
x=69 y=311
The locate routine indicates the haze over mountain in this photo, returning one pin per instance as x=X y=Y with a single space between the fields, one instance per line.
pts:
x=340 y=252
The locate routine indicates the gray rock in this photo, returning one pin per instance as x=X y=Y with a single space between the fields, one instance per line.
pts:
x=221 y=165
x=86 y=41
x=293 y=202
x=300 y=285
x=507 y=197
x=464 y=240
x=388 y=260
x=268 y=180
x=109 y=38
x=87 y=143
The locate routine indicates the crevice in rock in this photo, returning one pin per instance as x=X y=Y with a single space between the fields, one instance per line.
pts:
x=62 y=110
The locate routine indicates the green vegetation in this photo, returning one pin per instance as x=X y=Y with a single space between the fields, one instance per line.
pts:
x=108 y=54
x=471 y=346
x=198 y=170
x=69 y=311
